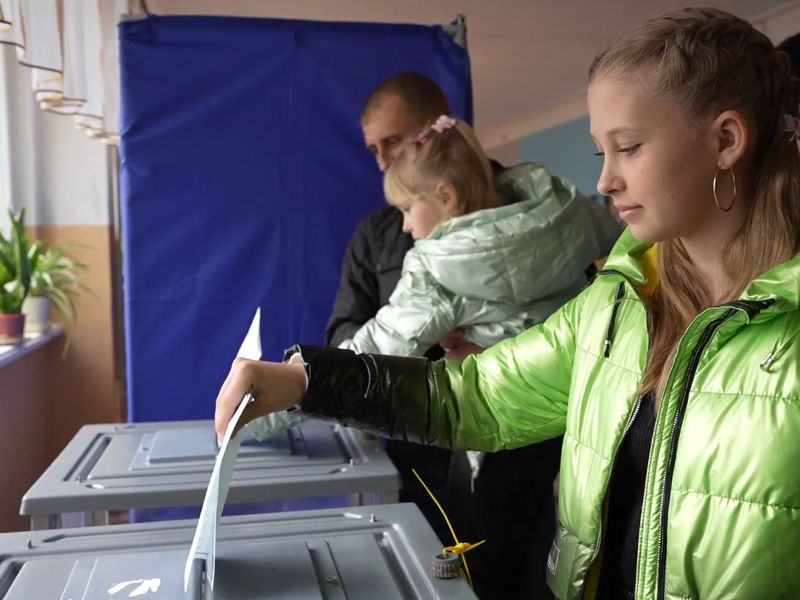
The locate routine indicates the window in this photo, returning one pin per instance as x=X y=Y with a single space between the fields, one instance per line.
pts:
x=6 y=53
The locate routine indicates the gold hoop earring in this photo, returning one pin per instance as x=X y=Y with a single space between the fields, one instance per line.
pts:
x=714 y=190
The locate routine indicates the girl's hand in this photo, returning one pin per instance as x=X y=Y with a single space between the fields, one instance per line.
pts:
x=274 y=387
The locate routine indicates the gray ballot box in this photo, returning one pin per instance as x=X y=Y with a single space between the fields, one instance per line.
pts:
x=153 y=465
x=358 y=553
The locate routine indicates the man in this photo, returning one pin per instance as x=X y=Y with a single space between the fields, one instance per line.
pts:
x=395 y=110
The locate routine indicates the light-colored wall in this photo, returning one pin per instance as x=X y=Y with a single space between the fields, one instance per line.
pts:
x=71 y=175
x=505 y=154
x=781 y=23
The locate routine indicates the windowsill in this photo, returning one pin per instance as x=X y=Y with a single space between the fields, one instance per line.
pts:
x=9 y=353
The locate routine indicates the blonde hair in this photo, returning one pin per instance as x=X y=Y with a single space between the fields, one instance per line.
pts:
x=454 y=156
x=710 y=61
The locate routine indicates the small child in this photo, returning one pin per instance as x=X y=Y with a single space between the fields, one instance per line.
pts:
x=489 y=269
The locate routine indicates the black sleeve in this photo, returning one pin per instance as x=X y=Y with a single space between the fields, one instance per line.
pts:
x=367 y=391
x=357 y=299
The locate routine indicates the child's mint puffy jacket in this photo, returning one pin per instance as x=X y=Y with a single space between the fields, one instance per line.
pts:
x=494 y=272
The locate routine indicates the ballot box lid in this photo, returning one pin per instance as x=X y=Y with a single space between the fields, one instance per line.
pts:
x=150 y=465
x=383 y=551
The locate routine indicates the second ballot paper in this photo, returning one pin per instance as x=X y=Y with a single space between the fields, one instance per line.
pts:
x=204 y=544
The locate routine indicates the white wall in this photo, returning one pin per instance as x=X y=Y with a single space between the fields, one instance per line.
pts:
x=72 y=174
x=54 y=170
x=779 y=24
x=505 y=154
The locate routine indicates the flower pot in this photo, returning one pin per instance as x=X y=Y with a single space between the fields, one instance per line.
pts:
x=11 y=328
x=37 y=313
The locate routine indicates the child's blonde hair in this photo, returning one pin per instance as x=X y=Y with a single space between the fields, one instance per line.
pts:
x=710 y=61
x=445 y=150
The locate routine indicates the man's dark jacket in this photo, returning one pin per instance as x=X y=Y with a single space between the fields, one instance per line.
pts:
x=371 y=269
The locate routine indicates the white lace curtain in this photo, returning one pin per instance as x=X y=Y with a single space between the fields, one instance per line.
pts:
x=72 y=51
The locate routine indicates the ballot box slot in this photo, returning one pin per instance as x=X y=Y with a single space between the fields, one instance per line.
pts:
x=88 y=459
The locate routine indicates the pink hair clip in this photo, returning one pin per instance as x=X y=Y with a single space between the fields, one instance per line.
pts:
x=443 y=123
x=421 y=137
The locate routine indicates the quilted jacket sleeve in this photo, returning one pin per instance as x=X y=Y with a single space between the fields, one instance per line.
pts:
x=511 y=395
x=419 y=314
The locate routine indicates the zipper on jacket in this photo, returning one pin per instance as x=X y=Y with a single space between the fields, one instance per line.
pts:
x=611 y=323
x=752 y=308
x=620 y=291
x=618 y=296
x=628 y=425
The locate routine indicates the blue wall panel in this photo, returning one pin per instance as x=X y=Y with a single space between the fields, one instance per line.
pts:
x=566 y=150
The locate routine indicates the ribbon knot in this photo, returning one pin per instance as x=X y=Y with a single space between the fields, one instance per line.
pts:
x=462 y=547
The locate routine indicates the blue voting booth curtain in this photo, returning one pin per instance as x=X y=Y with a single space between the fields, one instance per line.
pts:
x=243 y=174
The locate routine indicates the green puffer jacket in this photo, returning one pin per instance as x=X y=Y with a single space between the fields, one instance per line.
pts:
x=494 y=272
x=721 y=509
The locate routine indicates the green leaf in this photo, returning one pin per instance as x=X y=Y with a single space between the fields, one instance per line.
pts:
x=27 y=268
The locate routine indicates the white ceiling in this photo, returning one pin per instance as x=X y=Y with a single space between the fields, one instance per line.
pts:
x=529 y=57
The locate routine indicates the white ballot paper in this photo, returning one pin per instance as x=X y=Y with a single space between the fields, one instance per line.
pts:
x=204 y=543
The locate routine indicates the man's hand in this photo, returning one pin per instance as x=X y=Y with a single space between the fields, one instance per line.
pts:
x=456 y=347
x=274 y=387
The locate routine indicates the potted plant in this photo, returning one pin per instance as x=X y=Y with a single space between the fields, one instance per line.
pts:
x=54 y=282
x=15 y=279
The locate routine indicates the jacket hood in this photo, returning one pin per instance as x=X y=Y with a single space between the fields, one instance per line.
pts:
x=523 y=251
